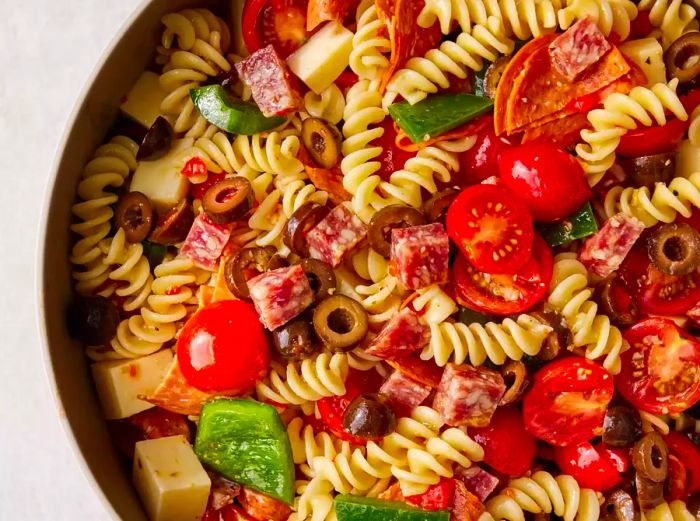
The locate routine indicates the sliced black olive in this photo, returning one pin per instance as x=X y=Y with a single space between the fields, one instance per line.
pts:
x=156 y=143
x=516 y=378
x=322 y=140
x=321 y=277
x=93 y=320
x=675 y=248
x=650 y=457
x=340 y=322
x=125 y=126
x=370 y=417
x=619 y=506
x=682 y=58
x=647 y=170
x=435 y=208
x=246 y=264
x=493 y=75
x=622 y=426
x=387 y=219
x=559 y=339
x=294 y=340
x=173 y=227
x=617 y=303
x=134 y=214
x=650 y=494
x=228 y=200
x=301 y=221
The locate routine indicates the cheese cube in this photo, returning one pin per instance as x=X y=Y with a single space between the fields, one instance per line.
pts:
x=320 y=61
x=161 y=180
x=171 y=481
x=120 y=382
x=687 y=159
x=648 y=55
x=143 y=101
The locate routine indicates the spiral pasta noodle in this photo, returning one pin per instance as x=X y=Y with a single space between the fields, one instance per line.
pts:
x=434 y=304
x=329 y=105
x=610 y=15
x=542 y=493
x=673 y=17
x=694 y=129
x=306 y=445
x=367 y=58
x=314 y=501
x=380 y=300
x=671 y=511
x=621 y=113
x=570 y=295
x=296 y=191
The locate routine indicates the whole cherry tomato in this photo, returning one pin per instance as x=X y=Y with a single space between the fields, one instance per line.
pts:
x=661 y=369
x=600 y=467
x=504 y=294
x=689 y=455
x=492 y=227
x=566 y=404
x=547 y=178
x=437 y=497
x=223 y=348
x=480 y=161
x=281 y=23
x=508 y=447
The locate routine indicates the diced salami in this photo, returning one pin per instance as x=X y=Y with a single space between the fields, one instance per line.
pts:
x=270 y=81
x=223 y=491
x=205 y=242
x=403 y=335
x=468 y=395
x=280 y=295
x=159 y=423
x=262 y=507
x=403 y=392
x=578 y=48
x=338 y=234
x=420 y=254
x=604 y=251
x=478 y=481
x=465 y=505
x=176 y=395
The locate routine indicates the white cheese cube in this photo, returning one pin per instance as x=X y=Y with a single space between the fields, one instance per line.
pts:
x=687 y=159
x=171 y=481
x=161 y=180
x=320 y=61
x=120 y=382
x=143 y=101
x=648 y=55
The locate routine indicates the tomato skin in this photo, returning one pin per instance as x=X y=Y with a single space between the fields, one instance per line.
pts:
x=392 y=157
x=689 y=455
x=198 y=191
x=547 y=178
x=508 y=447
x=486 y=293
x=484 y=220
x=566 y=404
x=281 y=23
x=214 y=358
x=641 y=26
x=598 y=468
x=481 y=161
x=194 y=167
x=677 y=480
x=661 y=369
x=437 y=497
x=226 y=513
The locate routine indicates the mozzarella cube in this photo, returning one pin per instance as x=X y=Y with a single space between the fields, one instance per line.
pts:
x=320 y=61
x=143 y=101
x=648 y=55
x=120 y=382
x=161 y=180
x=171 y=481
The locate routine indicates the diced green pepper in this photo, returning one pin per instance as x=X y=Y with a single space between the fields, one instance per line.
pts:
x=480 y=79
x=469 y=316
x=438 y=114
x=246 y=442
x=155 y=253
x=235 y=116
x=579 y=225
x=359 y=508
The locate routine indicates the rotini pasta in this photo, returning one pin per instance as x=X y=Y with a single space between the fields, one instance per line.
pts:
x=329 y=105
x=671 y=511
x=648 y=55
x=367 y=58
x=434 y=304
x=610 y=15
x=673 y=17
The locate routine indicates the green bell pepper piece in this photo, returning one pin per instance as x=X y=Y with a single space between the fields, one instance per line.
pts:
x=579 y=225
x=436 y=115
x=480 y=81
x=154 y=253
x=469 y=316
x=246 y=442
x=360 y=508
x=234 y=116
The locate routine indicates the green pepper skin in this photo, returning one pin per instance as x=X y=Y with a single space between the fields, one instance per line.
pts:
x=155 y=253
x=359 y=508
x=579 y=225
x=438 y=114
x=246 y=441
x=234 y=116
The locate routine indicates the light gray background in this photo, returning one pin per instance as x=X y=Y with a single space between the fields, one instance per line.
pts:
x=47 y=50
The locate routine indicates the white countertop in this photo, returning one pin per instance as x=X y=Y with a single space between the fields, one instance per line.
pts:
x=48 y=49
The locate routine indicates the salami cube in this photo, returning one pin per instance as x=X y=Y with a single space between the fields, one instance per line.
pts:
x=478 y=481
x=404 y=393
x=604 y=251
x=468 y=395
x=465 y=505
x=420 y=254
x=260 y=506
x=205 y=242
x=280 y=295
x=270 y=81
x=403 y=335
x=338 y=234
x=223 y=491
x=578 y=48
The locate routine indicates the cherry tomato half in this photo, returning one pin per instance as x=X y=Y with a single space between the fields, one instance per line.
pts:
x=281 y=23
x=492 y=227
x=508 y=447
x=547 y=178
x=223 y=348
x=504 y=294
x=480 y=161
x=392 y=157
x=677 y=480
x=600 y=467
x=661 y=369
x=686 y=451
x=437 y=497
x=197 y=191
x=567 y=402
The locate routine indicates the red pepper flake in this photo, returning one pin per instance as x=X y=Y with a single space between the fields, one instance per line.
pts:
x=173 y=291
x=194 y=167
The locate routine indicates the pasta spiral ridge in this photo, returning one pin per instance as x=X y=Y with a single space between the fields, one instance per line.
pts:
x=610 y=15
x=570 y=295
x=434 y=304
x=329 y=105
x=269 y=222
x=314 y=501
x=694 y=129
x=367 y=58
x=380 y=300
x=621 y=113
x=296 y=191
x=673 y=17
x=672 y=511
x=307 y=445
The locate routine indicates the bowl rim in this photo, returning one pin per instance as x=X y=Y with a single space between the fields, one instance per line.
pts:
x=42 y=239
